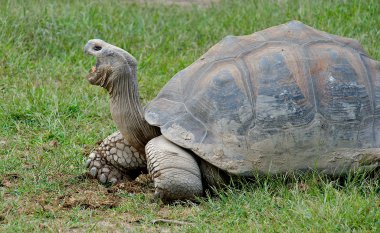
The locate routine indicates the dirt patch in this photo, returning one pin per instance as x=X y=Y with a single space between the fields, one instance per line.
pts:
x=79 y=192
x=89 y=194
x=183 y=3
x=88 y=200
x=142 y=184
x=9 y=180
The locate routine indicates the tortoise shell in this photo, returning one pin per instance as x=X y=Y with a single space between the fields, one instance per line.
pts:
x=286 y=98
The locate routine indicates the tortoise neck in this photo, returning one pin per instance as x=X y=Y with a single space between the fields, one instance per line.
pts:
x=127 y=111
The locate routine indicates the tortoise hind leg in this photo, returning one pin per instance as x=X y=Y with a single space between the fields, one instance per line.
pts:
x=175 y=172
x=213 y=176
x=115 y=160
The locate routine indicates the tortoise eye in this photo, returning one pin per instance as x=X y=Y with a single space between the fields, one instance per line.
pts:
x=97 y=48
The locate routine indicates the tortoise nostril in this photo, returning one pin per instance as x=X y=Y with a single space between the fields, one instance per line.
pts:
x=97 y=48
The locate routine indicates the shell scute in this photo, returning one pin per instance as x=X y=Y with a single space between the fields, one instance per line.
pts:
x=286 y=98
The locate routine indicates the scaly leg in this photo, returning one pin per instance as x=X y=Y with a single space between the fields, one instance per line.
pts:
x=175 y=172
x=115 y=160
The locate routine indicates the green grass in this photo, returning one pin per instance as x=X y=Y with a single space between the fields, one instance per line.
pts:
x=50 y=117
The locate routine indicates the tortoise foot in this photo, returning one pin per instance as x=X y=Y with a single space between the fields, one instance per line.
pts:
x=115 y=159
x=100 y=169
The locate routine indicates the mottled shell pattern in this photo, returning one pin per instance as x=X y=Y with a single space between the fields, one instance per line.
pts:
x=286 y=98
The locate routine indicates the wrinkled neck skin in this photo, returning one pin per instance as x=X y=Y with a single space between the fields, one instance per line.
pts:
x=126 y=109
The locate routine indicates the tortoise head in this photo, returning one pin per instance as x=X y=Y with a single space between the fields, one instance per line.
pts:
x=112 y=64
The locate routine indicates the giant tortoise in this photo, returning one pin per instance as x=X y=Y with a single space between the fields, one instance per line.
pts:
x=285 y=99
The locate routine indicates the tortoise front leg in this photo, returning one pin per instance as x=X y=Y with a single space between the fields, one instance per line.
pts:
x=115 y=160
x=175 y=172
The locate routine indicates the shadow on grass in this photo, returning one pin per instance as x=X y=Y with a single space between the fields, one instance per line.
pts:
x=301 y=182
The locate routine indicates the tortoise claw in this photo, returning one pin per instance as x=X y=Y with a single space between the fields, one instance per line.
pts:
x=113 y=180
x=103 y=178
x=88 y=162
x=93 y=171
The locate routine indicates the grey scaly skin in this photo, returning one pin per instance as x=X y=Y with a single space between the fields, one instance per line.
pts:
x=175 y=172
x=122 y=154
x=115 y=159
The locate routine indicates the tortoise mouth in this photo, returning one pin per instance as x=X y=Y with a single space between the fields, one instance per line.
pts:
x=93 y=74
